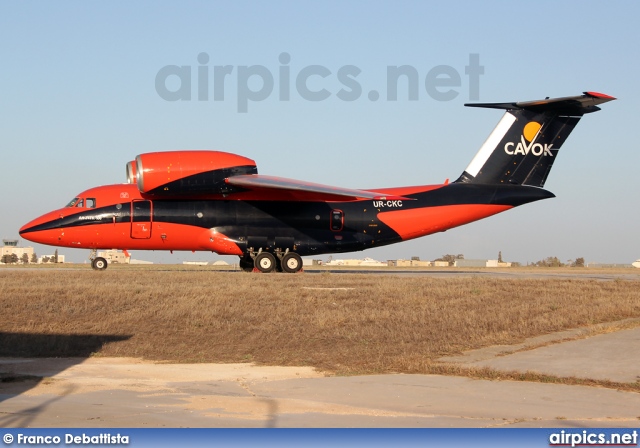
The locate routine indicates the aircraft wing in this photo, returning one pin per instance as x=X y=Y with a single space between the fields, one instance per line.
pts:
x=256 y=182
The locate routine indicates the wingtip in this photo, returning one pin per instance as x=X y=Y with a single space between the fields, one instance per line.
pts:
x=600 y=95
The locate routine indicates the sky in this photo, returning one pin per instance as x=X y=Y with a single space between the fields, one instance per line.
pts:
x=87 y=86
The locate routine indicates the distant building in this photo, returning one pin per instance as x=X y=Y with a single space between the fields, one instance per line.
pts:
x=115 y=256
x=441 y=264
x=370 y=262
x=612 y=265
x=366 y=262
x=11 y=247
x=10 y=243
x=468 y=263
x=50 y=259
x=122 y=257
x=413 y=263
x=636 y=264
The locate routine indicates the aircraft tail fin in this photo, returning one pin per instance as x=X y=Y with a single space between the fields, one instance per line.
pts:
x=525 y=143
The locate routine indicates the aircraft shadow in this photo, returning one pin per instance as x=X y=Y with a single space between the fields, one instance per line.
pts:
x=21 y=366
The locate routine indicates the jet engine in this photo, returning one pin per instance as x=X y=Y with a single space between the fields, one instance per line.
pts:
x=175 y=173
x=132 y=172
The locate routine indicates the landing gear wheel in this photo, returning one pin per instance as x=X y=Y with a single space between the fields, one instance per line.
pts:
x=99 y=264
x=265 y=262
x=291 y=262
x=246 y=264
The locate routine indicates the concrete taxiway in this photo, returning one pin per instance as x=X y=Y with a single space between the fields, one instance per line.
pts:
x=122 y=392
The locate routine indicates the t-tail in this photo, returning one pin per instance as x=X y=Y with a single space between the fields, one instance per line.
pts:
x=525 y=143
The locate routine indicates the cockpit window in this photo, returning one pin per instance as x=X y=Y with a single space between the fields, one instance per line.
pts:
x=80 y=203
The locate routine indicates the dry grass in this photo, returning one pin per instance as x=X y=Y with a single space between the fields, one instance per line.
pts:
x=383 y=324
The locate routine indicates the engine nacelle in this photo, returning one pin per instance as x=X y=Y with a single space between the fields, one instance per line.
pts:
x=132 y=173
x=174 y=173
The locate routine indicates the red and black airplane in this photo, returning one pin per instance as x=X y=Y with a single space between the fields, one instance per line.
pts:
x=216 y=201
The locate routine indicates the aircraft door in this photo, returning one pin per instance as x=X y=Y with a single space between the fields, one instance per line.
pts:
x=141 y=219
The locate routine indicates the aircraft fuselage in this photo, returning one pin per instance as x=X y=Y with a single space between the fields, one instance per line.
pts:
x=231 y=227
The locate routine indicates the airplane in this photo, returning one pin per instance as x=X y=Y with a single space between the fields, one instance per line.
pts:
x=216 y=201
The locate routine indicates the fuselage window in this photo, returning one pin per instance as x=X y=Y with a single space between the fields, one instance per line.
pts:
x=91 y=202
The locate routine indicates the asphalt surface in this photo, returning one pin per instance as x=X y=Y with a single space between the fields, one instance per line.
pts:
x=508 y=273
x=121 y=392
x=489 y=272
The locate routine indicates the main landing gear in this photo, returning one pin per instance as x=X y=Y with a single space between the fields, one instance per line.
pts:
x=289 y=262
x=265 y=262
x=97 y=263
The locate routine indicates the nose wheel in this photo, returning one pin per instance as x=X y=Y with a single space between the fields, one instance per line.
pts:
x=99 y=264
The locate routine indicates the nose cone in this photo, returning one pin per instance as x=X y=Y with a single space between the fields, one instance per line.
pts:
x=44 y=230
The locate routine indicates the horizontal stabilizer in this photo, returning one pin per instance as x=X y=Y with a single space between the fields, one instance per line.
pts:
x=570 y=105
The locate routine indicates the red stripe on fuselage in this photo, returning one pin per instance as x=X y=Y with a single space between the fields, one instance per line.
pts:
x=413 y=223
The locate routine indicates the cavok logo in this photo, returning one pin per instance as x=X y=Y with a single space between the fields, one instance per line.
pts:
x=529 y=133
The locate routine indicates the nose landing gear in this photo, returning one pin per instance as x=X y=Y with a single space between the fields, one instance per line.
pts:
x=97 y=263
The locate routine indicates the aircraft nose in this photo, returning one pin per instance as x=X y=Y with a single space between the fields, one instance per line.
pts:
x=28 y=228
x=31 y=235
x=30 y=231
x=43 y=229
x=23 y=229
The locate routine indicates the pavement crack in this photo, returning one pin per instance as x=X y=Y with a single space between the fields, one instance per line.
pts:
x=243 y=384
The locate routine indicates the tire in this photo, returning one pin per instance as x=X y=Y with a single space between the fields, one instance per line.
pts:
x=265 y=262
x=291 y=262
x=99 y=264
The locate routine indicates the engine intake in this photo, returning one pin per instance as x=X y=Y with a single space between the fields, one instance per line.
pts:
x=132 y=173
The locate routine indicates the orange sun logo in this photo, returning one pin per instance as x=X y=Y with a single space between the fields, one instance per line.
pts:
x=530 y=130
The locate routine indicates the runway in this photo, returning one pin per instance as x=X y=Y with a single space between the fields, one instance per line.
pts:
x=126 y=392
x=600 y=274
